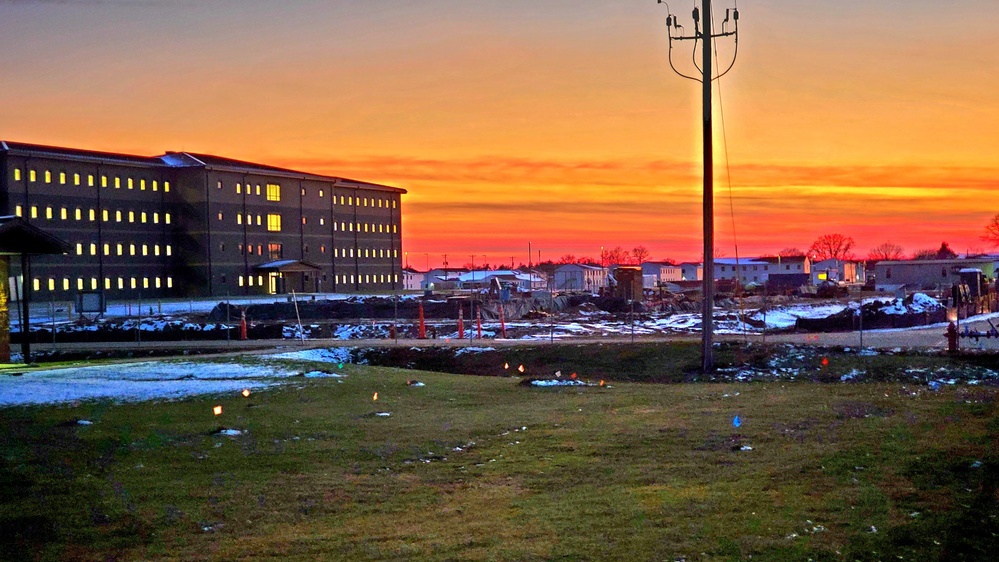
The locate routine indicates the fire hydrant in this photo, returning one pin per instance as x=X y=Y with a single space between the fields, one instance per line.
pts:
x=951 y=338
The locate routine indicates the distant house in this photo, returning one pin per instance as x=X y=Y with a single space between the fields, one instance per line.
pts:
x=927 y=275
x=846 y=271
x=663 y=272
x=412 y=280
x=580 y=277
x=442 y=278
x=691 y=271
x=480 y=279
x=758 y=270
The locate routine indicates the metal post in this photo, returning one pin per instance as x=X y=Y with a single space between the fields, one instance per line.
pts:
x=707 y=308
x=25 y=313
x=703 y=34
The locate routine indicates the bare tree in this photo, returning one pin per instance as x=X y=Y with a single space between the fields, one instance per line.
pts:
x=790 y=252
x=568 y=258
x=886 y=251
x=832 y=246
x=992 y=232
x=943 y=253
x=615 y=256
x=640 y=253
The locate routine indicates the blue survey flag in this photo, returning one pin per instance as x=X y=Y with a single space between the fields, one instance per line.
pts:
x=736 y=421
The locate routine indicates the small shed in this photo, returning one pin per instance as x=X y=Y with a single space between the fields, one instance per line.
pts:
x=19 y=238
x=285 y=276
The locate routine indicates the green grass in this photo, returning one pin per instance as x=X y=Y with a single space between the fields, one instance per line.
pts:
x=633 y=471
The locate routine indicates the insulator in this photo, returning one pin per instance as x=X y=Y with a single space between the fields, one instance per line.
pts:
x=697 y=14
x=735 y=15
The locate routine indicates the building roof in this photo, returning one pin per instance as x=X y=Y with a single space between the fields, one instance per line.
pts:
x=183 y=160
x=18 y=236
x=40 y=150
x=287 y=266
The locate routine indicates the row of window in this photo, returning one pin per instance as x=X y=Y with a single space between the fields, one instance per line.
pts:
x=274 y=251
x=274 y=223
x=755 y=267
x=77 y=179
x=109 y=283
x=133 y=249
x=64 y=213
x=272 y=192
x=258 y=280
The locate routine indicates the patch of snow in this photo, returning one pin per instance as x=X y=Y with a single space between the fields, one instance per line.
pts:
x=472 y=349
x=330 y=355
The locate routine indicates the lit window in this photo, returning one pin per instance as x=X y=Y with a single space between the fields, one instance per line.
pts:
x=36 y=284
x=322 y=221
x=78 y=214
x=166 y=218
x=19 y=211
x=107 y=249
x=258 y=220
x=93 y=249
x=121 y=282
x=350 y=201
x=239 y=219
x=169 y=282
x=145 y=282
x=131 y=249
x=79 y=283
x=117 y=182
x=107 y=283
x=169 y=250
x=393 y=204
x=120 y=248
x=145 y=249
x=104 y=181
x=65 y=283
x=305 y=220
x=142 y=185
x=76 y=179
x=92 y=214
x=322 y=249
x=273 y=192
x=79 y=249
x=117 y=216
x=132 y=282
x=17 y=174
x=274 y=222
x=394 y=228
x=32 y=176
x=219 y=184
x=166 y=187
x=48 y=212
x=90 y=183
x=157 y=282
x=240 y=281
x=51 y=284
x=320 y=194
x=131 y=185
x=220 y=215
x=239 y=188
x=62 y=178
x=156 y=218
x=156 y=249
x=93 y=283
x=105 y=215
x=63 y=213
x=258 y=189
x=249 y=280
x=156 y=185
x=260 y=280
x=131 y=216
x=142 y=217
x=34 y=212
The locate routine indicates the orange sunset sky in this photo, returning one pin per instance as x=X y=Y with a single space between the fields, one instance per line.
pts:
x=553 y=122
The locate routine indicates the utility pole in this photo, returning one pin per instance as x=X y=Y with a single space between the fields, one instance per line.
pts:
x=702 y=33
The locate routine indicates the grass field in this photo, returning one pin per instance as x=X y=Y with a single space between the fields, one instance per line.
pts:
x=484 y=468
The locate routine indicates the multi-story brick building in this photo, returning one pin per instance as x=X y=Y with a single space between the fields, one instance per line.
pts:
x=184 y=224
